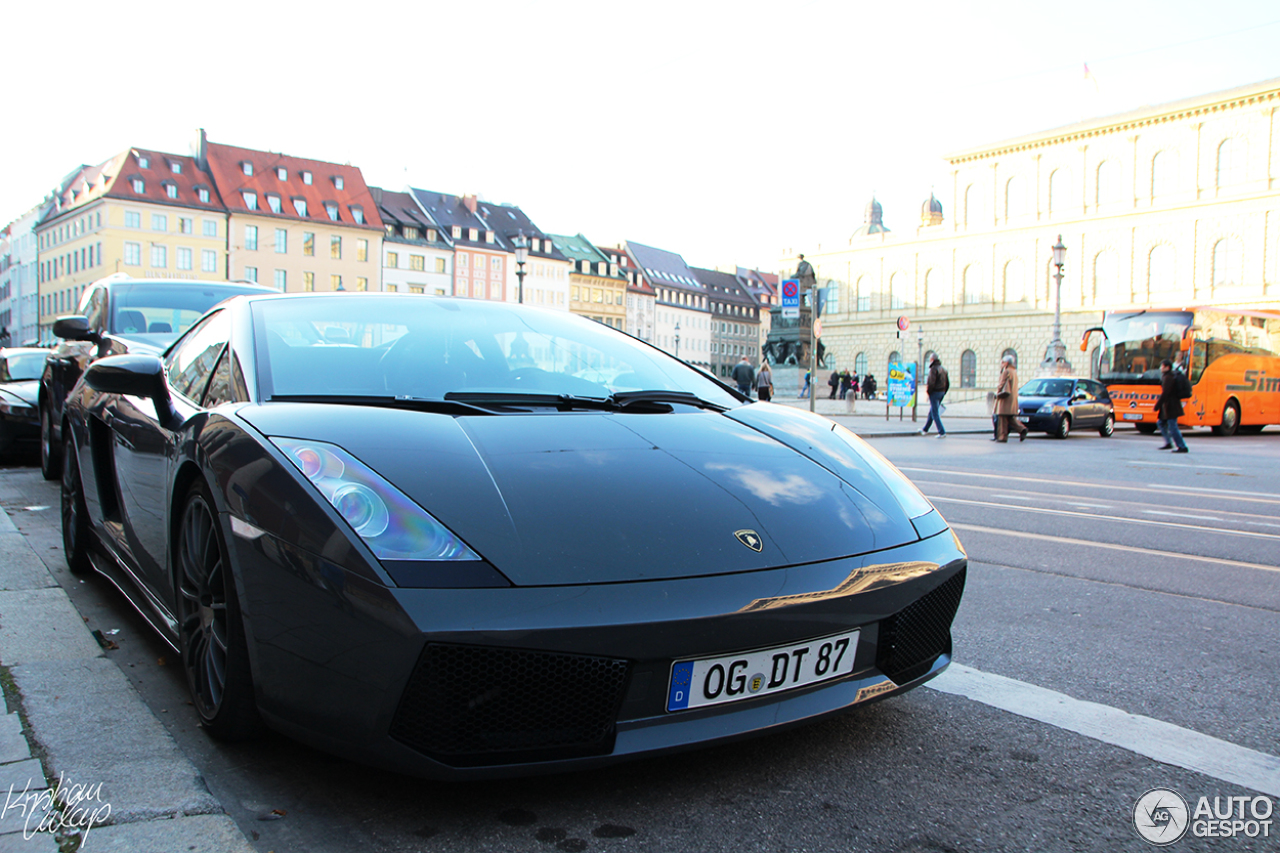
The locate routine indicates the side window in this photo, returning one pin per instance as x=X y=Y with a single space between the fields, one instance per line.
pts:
x=95 y=311
x=191 y=362
x=221 y=389
x=1099 y=390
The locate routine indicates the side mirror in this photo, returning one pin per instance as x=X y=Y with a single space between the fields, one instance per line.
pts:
x=134 y=375
x=75 y=327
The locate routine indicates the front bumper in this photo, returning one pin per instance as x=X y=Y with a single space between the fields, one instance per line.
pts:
x=473 y=683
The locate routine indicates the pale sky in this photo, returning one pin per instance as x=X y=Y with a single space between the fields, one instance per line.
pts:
x=725 y=131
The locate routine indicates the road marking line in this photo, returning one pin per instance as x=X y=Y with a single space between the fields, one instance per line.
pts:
x=1253 y=497
x=1028 y=495
x=1180 y=465
x=1181 y=515
x=1116 y=518
x=1132 y=549
x=1156 y=739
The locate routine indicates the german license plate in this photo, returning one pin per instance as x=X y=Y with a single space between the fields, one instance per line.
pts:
x=1132 y=416
x=714 y=681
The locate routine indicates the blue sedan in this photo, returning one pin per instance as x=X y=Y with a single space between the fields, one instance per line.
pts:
x=1059 y=404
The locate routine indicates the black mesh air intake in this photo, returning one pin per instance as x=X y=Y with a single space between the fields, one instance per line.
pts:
x=911 y=639
x=470 y=706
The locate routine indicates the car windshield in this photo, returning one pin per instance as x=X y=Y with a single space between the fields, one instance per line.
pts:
x=22 y=366
x=1046 y=388
x=165 y=309
x=426 y=348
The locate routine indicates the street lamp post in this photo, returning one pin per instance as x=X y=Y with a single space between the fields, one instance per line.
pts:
x=522 y=253
x=919 y=370
x=1055 y=356
x=677 y=338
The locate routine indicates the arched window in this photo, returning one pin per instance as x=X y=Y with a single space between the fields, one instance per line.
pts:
x=1106 y=276
x=860 y=364
x=896 y=287
x=864 y=298
x=968 y=369
x=1226 y=262
x=1015 y=198
x=1163 y=173
x=894 y=358
x=1013 y=352
x=1230 y=163
x=1059 y=192
x=1161 y=270
x=1107 y=188
x=974 y=213
x=1015 y=288
x=975 y=289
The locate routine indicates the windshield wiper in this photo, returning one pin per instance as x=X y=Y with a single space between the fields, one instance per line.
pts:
x=526 y=400
x=403 y=401
x=624 y=399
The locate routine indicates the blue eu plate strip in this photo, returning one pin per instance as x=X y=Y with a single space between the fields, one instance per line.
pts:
x=681 y=676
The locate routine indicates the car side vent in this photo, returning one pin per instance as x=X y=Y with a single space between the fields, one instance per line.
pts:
x=471 y=706
x=911 y=639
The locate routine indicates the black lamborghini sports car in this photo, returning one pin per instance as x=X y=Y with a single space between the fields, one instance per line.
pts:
x=459 y=538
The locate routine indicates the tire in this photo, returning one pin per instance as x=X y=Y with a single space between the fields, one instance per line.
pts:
x=50 y=453
x=75 y=518
x=1108 y=427
x=215 y=654
x=1064 y=427
x=1145 y=429
x=1230 y=419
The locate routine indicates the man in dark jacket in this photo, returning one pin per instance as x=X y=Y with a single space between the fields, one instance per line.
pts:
x=744 y=376
x=1169 y=406
x=834 y=382
x=937 y=386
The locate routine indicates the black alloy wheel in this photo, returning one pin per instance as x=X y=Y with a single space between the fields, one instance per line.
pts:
x=1108 y=426
x=50 y=454
x=1230 y=419
x=1064 y=426
x=214 y=654
x=75 y=519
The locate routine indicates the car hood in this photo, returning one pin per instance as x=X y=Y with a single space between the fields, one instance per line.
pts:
x=590 y=497
x=1027 y=401
x=27 y=390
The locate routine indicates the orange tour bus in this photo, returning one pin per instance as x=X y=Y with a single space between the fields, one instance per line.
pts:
x=1230 y=352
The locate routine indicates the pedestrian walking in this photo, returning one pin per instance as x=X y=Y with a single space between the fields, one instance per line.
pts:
x=764 y=383
x=936 y=386
x=1007 y=403
x=834 y=381
x=1174 y=388
x=846 y=382
x=804 y=392
x=744 y=376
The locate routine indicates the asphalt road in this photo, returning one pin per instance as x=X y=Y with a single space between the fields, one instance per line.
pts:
x=1100 y=568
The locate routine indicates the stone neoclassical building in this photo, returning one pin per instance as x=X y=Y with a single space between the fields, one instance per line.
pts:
x=1167 y=205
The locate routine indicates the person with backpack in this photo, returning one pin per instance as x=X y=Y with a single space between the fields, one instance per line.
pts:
x=937 y=386
x=1174 y=388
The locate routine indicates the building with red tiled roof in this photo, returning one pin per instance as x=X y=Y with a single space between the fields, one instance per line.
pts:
x=145 y=213
x=295 y=223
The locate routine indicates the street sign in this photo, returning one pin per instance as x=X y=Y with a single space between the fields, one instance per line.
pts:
x=904 y=323
x=817 y=328
x=790 y=299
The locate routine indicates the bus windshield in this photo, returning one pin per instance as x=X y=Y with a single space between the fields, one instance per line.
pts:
x=1138 y=341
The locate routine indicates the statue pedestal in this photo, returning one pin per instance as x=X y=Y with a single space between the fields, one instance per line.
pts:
x=787 y=346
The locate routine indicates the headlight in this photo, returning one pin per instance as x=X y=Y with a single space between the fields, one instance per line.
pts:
x=1046 y=408
x=393 y=526
x=10 y=408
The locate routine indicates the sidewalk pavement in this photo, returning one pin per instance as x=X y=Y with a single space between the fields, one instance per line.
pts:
x=867 y=417
x=82 y=758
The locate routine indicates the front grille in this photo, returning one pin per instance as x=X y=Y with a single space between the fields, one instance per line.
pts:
x=911 y=639
x=470 y=706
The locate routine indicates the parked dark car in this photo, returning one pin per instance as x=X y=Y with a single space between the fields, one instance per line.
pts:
x=118 y=314
x=1059 y=404
x=461 y=538
x=20 y=369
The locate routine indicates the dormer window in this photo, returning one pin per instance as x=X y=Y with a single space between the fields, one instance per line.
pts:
x=202 y=193
x=488 y=236
x=331 y=209
x=457 y=232
x=473 y=234
x=250 y=200
x=246 y=167
x=410 y=233
x=391 y=231
x=144 y=162
x=306 y=178
x=300 y=206
x=337 y=182
x=431 y=235
x=139 y=186
x=175 y=167
x=273 y=202
x=171 y=189
x=282 y=174
x=357 y=213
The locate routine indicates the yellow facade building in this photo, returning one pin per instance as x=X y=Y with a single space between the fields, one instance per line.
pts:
x=597 y=288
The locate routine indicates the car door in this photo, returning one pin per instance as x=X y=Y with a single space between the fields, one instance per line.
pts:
x=145 y=448
x=1084 y=405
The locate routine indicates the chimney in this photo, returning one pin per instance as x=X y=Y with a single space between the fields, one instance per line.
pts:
x=202 y=151
x=470 y=202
